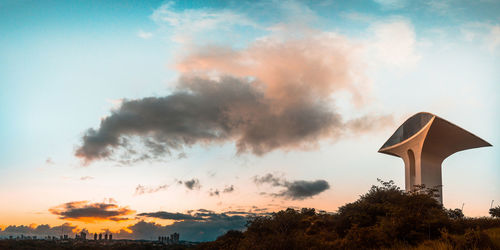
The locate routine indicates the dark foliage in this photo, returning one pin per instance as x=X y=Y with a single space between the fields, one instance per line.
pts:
x=455 y=213
x=385 y=217
x=87 y=245
x=495 y=212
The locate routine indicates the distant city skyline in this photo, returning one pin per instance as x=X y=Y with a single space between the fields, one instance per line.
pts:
x=147 y=118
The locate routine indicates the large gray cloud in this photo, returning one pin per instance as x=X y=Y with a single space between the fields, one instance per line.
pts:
x=205 y=111
x=272 y=95
x=295 y=190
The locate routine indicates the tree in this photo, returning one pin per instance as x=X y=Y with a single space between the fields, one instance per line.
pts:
x=455 y=213
x=495 y=212
x=385 y=217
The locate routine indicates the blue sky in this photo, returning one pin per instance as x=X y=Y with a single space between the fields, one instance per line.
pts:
x=66 y=65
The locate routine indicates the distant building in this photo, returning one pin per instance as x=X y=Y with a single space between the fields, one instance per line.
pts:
x=169 y=240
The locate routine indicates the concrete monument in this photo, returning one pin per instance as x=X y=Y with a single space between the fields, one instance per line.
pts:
x=423 y=142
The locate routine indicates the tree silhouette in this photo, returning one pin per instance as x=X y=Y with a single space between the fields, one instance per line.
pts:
x=384 y=217
x=495 y=212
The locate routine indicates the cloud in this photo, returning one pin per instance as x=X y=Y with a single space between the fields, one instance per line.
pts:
x=49 y=161
x=228 y=189
x=299 y=190
x=392 y=4
x=368 y=123
x=441 y=7
x=275 y=94
x=484 y=32
x=295 y=190
x=494 y=37
x=84 y=178
x=393 y=44
x=216 y=192
x=140 y=189
x=40 y=230
x=269 y=178
x=91 y=212
x=144 y=35
x=197 y=225
x=192 y=184
x=187 y=25
x=170 y=216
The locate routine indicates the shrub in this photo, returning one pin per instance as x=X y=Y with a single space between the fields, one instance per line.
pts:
x=495 y=212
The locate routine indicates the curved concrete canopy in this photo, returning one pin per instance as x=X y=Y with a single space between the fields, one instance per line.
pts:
x=409 y=128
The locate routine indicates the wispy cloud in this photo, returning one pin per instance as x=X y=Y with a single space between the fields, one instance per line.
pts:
x=49 y=161
x=140 y=189
x=392 y=4
x=393 y=43
x=217 y=192
x=187 y=25
x=85 y=178
x=144 y=35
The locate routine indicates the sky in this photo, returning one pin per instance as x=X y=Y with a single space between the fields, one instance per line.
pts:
x=144 y=118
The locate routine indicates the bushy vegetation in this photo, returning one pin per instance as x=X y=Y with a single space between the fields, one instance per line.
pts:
x=385 y=217
x=84 y=245
x=495 y=212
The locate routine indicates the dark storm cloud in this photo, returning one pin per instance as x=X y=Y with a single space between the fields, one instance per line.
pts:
x=140 y=189
x=192 y=184
x=90 y=212
x=295 y=190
